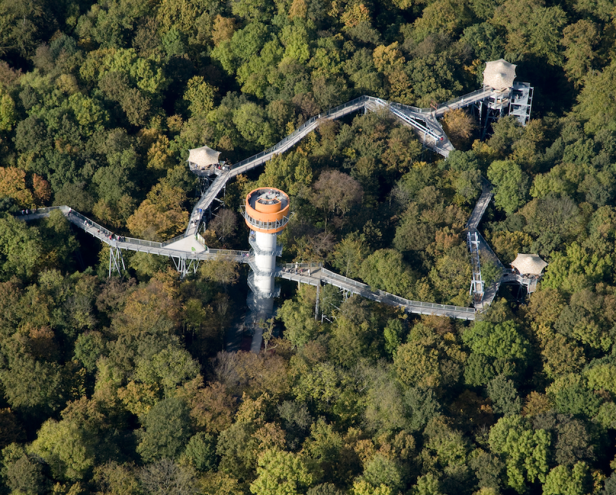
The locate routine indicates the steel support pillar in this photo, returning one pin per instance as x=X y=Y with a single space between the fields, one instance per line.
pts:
x=316 y=310
x=116 y=260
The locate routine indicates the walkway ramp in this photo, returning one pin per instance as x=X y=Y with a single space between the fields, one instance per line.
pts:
x=481 y=206
x=179 y=247
x=313 y=274
x=422 y=120
x=466 y=100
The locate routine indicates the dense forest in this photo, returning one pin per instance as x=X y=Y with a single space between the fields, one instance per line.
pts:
x=123 y=385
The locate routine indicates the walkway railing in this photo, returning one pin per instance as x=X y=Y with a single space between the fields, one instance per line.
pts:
x=465 y=100
x=385 y=297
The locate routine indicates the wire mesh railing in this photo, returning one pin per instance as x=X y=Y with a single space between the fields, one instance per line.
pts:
x=275 y=225
x=392 y=297
x=228 y=253
x=74 y=216
x=172 y=240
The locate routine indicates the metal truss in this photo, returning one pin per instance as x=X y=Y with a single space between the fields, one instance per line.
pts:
x=476 y=282
x=115 y=260
x=184 y=266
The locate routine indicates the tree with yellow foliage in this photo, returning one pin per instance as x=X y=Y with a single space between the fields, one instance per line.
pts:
x=13 y=184
x=161 y=216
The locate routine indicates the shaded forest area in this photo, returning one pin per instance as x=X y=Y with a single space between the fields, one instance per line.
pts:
x=122 y=386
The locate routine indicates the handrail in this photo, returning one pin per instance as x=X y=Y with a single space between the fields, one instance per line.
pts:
x=172 y=240
x=467 y=96
x=400 y=300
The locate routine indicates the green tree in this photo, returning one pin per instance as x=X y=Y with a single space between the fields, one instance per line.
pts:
x=349 y=254
x=429 y=359
x=298 y=318
x=201 y=452
x=20 y=248
x=498 y=340
x=504 y=395
x=386 y=270
x=595 y=105
x=532 y=29
x=393 y=335
x=66 y=447
x=525 y=451
x=23 y=473
x=511 y=185
x=88 y=348
x=8 y=116
x=200 y=96
x=490 y=271
x=23 y=24
x=563 y=480
x=384 y=471
x=33 y=385
x=237 y=449
x=570 y=395
x=579 y=40
x=116 y=479
x=281 y=473
x=427 y=484
x=167 y=430
x=222 y=270
x=169 y=368
x=251 y=122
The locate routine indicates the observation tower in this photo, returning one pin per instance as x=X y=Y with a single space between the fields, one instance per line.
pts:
x=267 y=213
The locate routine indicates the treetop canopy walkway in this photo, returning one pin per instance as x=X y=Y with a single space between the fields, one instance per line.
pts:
x=188 y=249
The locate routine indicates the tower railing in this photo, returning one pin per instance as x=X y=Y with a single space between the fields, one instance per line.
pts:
x=258 y=292
x=278 y=224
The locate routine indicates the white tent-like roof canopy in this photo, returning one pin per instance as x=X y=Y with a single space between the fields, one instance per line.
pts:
x=203 y=157
x=499 y=75
x=529 y=264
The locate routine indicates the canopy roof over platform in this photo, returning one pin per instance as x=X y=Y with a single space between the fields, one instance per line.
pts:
x=529 y=264
x=203 y=157
x=499 y=75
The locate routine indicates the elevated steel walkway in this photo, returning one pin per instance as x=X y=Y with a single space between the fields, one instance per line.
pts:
x=477 y=245
x=186 y=253
x=188 y=250
x=314 y=274
x=423 y=121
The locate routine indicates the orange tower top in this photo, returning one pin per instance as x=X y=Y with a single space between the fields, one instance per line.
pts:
x=267 y=210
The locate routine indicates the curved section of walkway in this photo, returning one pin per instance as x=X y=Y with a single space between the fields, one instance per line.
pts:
x=422 y=120
x=180 y=247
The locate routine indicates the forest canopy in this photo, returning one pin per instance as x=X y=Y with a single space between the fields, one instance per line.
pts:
x=115 y=385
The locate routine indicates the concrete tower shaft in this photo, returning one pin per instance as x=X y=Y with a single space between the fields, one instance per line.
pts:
x=266 y=213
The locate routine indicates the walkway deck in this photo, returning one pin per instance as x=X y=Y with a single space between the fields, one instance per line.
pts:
x=481 y=205
x=315 y=275
x=175 y=248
